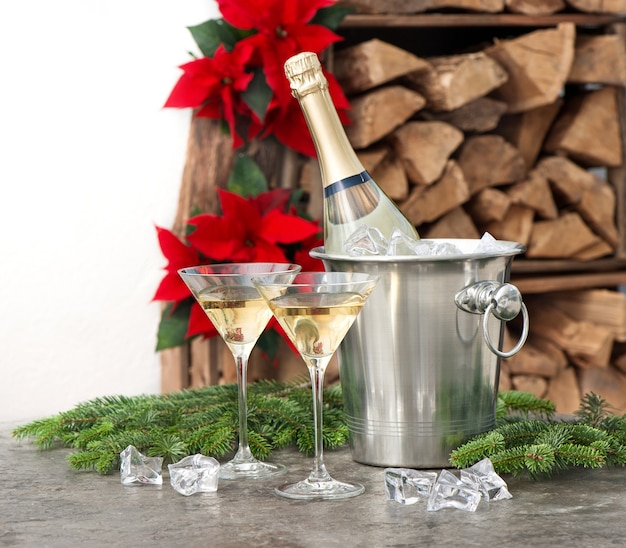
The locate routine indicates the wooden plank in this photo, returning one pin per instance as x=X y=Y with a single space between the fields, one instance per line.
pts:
x=421 y=6
x=544 y=284
x=547 y=266
x=478 y=20
x=174 y=369
x=208 y=162
x=208 y=360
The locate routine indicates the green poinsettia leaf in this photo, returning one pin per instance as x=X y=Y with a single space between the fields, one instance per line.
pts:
x=258 y=95
x=210 y=34
x=246 y=177
x=173 y=325
x=332 y=16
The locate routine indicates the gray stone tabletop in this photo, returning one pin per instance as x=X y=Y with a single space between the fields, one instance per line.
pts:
x=44 y=503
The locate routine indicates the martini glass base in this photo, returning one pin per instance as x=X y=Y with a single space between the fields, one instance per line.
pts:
x=250 y=470
x=311 y=490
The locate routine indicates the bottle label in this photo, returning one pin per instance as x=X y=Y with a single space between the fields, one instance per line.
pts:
x=343 y=184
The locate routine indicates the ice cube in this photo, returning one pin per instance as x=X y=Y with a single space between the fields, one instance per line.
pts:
x=488 y=244
x=483 y=476
x=408 y=486
x=400 y=244
x=135 y=467
x=450 y=492
x=366 y=240
x=444 y=248
x=194 y=474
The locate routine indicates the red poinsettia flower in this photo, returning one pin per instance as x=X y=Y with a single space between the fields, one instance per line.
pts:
x=172 y=288
x=246 y=233
x=283 y=30
x=213 y=85
x=179 y=255
x=259 y=229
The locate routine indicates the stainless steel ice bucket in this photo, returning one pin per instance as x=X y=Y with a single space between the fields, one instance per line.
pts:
x=419 y=368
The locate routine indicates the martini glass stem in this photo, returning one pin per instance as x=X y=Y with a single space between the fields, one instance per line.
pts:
x=243 y=454
x=317 y=370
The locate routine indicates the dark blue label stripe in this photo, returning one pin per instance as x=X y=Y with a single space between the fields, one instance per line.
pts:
x=346 y=183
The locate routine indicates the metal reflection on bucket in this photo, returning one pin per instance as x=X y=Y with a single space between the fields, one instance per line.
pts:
x=419 y=368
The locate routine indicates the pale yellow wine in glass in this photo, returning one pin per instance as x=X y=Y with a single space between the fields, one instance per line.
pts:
x=316 y=310
x=239 y=313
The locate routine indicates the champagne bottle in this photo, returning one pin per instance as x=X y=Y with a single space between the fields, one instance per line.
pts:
x=351 y=197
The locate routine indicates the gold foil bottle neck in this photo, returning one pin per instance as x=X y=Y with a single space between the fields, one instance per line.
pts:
x=304 y=73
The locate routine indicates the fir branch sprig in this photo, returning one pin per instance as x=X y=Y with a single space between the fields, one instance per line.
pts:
x=514 y=403
x=521 y=444
x=527 y=438
x=203 y=420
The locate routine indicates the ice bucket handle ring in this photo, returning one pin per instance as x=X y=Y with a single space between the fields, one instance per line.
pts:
x=504 y=301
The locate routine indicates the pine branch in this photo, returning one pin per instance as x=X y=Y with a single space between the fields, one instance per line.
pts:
x=526 y=440
x=593 y=409
x=523 y=403
x=203 y=420
x=538 y=448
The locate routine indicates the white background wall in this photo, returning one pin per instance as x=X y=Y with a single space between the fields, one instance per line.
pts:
x=89 y=162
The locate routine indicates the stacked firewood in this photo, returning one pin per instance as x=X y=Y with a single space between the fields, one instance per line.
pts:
x=518 y=139
x=576 y=346
x=491 y=141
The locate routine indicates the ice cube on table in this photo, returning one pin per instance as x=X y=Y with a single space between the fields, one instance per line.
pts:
x=450 y=492
x=135 y=467
x=194 y=474
x=408 y=486
x=483 y=476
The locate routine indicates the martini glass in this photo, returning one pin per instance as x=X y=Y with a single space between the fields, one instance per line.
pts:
x=232 y=303
x=316 y=310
